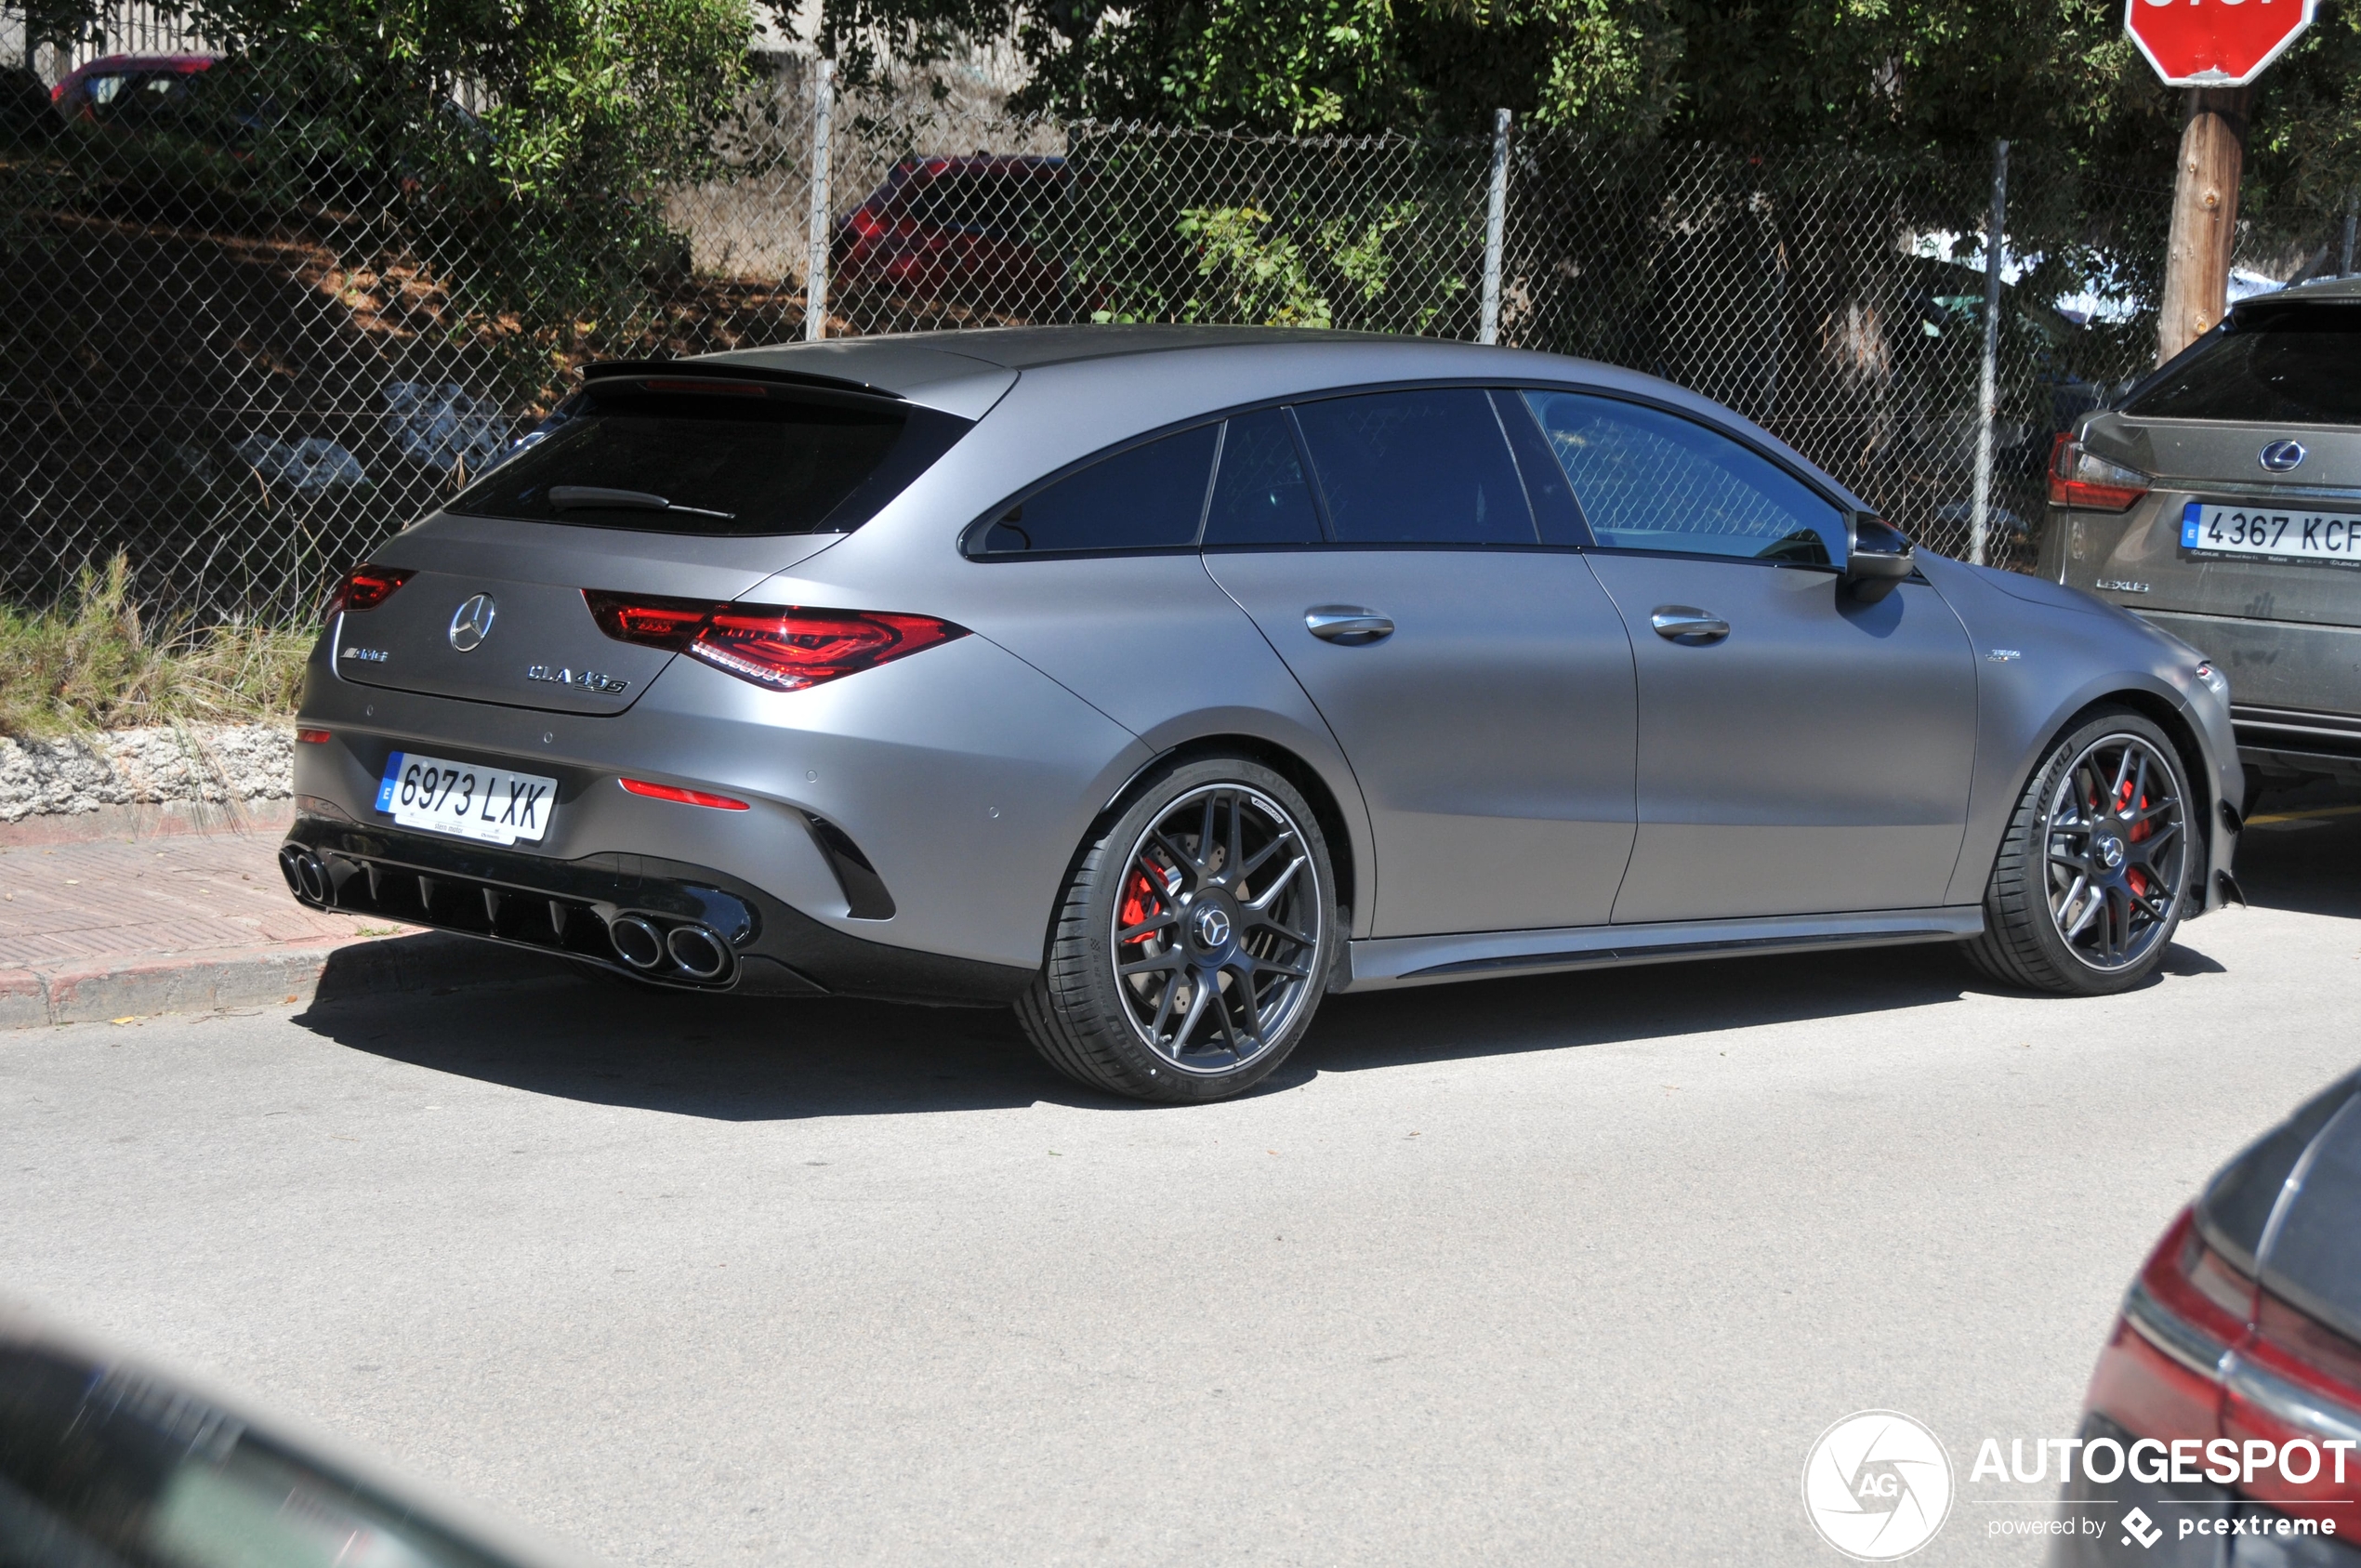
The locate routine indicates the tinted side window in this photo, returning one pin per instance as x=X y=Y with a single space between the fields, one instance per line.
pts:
x=1150 y=497
x=1260 y=497
x=1419 y=467
x=1652 y=480
x=2290 y=366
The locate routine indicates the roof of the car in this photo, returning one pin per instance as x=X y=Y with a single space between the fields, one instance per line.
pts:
x=105 y=64
x=2343 y=289
x=966 y=372
x=877 y=359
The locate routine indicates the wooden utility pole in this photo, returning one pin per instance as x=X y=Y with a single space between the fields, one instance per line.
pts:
x=2205 y=216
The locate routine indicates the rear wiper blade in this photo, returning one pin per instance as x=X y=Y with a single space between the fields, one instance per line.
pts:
x=566 y=497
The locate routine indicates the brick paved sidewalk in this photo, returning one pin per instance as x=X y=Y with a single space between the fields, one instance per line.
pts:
x=182 y=924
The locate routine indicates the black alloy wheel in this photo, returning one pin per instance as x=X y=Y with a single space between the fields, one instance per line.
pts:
x=2094 y=872
x=1194 y=941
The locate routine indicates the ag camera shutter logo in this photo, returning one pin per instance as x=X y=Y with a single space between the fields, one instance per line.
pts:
x=1876 y=1485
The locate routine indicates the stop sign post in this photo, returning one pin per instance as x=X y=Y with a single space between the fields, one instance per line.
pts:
x=2214 y=48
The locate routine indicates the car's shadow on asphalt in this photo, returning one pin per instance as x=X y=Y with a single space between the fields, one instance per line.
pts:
x=752 y=1059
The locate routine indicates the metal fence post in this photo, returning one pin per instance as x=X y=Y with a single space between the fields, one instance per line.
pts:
x=1495 y=214
x=1996 y=234
x=2352 y=222
x=815 y=277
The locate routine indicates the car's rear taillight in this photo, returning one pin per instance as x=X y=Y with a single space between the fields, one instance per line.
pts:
x=366 y=587
x=2295 y=1384
x=785 y=647
x=2203 y=1355
x=2081 y=478
x=2160 y=1374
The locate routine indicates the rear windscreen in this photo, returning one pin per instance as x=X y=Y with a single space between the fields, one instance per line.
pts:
x=760 y=460
x=2291 y=366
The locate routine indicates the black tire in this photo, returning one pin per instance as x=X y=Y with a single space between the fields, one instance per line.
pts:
x=1230 y=944
x=2094 y=870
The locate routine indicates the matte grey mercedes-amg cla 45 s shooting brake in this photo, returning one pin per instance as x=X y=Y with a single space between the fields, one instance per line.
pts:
x=1161 y=680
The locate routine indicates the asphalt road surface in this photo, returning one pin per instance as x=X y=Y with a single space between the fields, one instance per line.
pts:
x=1550 y=1270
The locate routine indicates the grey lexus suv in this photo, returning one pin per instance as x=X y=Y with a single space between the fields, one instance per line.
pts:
x=2220 y=500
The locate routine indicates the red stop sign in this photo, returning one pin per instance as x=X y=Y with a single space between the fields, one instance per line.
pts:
x=2214 y=43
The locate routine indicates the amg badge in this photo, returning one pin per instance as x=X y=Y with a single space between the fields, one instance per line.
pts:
x=588 y=680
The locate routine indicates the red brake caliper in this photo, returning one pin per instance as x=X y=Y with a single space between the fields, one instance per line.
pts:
x=2140 y=830
x=1140 y=901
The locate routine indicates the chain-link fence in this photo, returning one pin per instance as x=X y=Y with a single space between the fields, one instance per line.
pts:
x=242 y=365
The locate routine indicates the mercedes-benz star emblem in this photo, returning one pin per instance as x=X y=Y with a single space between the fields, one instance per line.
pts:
x=2282 y=456
x=1213 y=924
x=2111 y=853
x=472 y=623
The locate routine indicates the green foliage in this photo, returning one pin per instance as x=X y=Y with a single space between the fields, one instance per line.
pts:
x=1260 y=279
x=543 y=216
x=91 y=662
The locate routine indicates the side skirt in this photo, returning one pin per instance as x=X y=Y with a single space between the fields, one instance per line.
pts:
x=1381 y=963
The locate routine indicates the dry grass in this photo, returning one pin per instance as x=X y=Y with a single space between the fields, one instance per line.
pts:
x=93 y=662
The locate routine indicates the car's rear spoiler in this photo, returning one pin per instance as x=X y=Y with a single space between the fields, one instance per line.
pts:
x=722 y=370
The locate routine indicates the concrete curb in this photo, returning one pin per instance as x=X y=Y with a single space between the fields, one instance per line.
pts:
x=284 y=972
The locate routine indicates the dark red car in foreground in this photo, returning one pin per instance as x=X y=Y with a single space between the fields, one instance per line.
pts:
x=2230 y=1392
x=958 y=231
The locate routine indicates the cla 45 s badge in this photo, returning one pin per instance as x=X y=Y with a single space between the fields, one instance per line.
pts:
x=588 y=680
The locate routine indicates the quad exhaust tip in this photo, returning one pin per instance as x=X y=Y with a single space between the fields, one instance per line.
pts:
x=701 y=954
x=637 y=941
x=306 y=878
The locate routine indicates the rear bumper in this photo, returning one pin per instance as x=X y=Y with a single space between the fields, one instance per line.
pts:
x=567 y=908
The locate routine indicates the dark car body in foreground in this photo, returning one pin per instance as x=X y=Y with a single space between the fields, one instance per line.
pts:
x=2242 y=1334
x=1162 y=680
x=106 y=1463
x=2221 y=501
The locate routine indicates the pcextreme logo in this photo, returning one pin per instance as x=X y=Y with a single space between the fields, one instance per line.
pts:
x=1876 y=1485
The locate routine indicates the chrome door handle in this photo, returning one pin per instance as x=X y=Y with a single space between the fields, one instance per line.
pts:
x=1346 y=623
x=1682 y=623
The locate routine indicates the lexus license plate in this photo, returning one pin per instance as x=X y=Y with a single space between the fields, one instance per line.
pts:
x=2290 y=533
x=465 y=799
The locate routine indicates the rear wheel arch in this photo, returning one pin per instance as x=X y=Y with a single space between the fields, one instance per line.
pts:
x=1327 y=812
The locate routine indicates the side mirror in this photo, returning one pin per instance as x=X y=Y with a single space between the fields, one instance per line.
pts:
x=1877 y=558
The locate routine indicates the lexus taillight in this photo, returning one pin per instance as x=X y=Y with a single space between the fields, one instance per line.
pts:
x=2081 y=478
x=785 y=647
x=2263 y=1397
x=366 y=587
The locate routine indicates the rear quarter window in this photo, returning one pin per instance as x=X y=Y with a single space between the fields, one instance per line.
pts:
x=2294 y=365
x=1147 y=498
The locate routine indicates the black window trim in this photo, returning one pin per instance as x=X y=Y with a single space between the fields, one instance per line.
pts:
x=969 y=537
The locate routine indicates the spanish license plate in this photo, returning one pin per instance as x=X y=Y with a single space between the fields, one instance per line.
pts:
x=2330 y=538
x=465 y=799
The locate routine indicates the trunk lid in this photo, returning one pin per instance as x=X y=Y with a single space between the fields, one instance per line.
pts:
x=541 y=649
x=2219 y=463
x=2262 y=415
x=684 y=479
